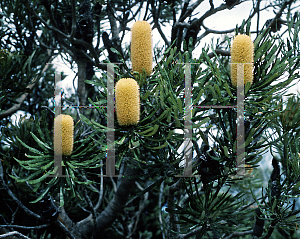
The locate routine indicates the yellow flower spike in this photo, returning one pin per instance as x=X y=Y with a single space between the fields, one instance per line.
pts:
x=127 y=97
x=63 y=134
x=242 y=51
x=141 y=47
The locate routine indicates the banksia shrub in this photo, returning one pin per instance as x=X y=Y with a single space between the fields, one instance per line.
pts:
x=63 y=134
x=242 y=51
x=141 y=47
x=127 y=97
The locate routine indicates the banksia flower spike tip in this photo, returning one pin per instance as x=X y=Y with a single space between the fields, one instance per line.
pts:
x=63 y=134
x=127 y=97
x=242 y=51
x=141 y=47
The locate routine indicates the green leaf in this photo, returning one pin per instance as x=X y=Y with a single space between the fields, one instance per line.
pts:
x=228 y=90
x=213 y=92
x=40 y=143
x=61 y=197
x=42 y=195
x=39 y=179
x=30 y=148
x=158 y=147
x=146 y=95
x=152 y=186
x=27 y=178
x=179 y=103
x=37 y=157
x=198 y=96
x=162 y=116
x=218 y=90
x=153 y=130
x=226 y=151
x=47 y=165
x=114 y=50
x=204 y=121
x=250 y=137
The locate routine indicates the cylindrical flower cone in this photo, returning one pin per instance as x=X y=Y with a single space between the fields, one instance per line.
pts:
x=141 y=47
x=63 y=135
x=242 y=51
x=127 y=96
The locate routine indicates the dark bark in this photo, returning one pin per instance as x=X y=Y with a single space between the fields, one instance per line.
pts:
x=81 y=92
x=84 y=228
x=113 y=57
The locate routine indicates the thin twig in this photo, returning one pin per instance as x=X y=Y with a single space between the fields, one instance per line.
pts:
x=28 y=211
x=65 y=230
x=160 y=206
x=189 y=10
x=141 y=208
x=218 y=52
x=20 y=100
x=73 y=31
x=238 y=234
x=15 y=233
x=101 y=188
x=26 y=227
x=191 y=233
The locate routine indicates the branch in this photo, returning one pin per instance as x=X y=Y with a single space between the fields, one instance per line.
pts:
x=191 y=233
x=279 y=13
x=215 y=10
x=136 y=13
x=189 y=10
x=258 y=15
x=20 y=100
x=84 y=228
x=64 y=229
x=48 y=26
x=101 y=189
x=28 y=211
x=208 y=31
x=73 y=31
x=26 y=227
x=161 y=191
x=114 y=28
x=217 y=31
x=142 y=205
x=15 y=233
x=238 y=234
x=71 y=39
x=156 y=16
x=218 y=52
x=65 y=218
x=174 y=228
